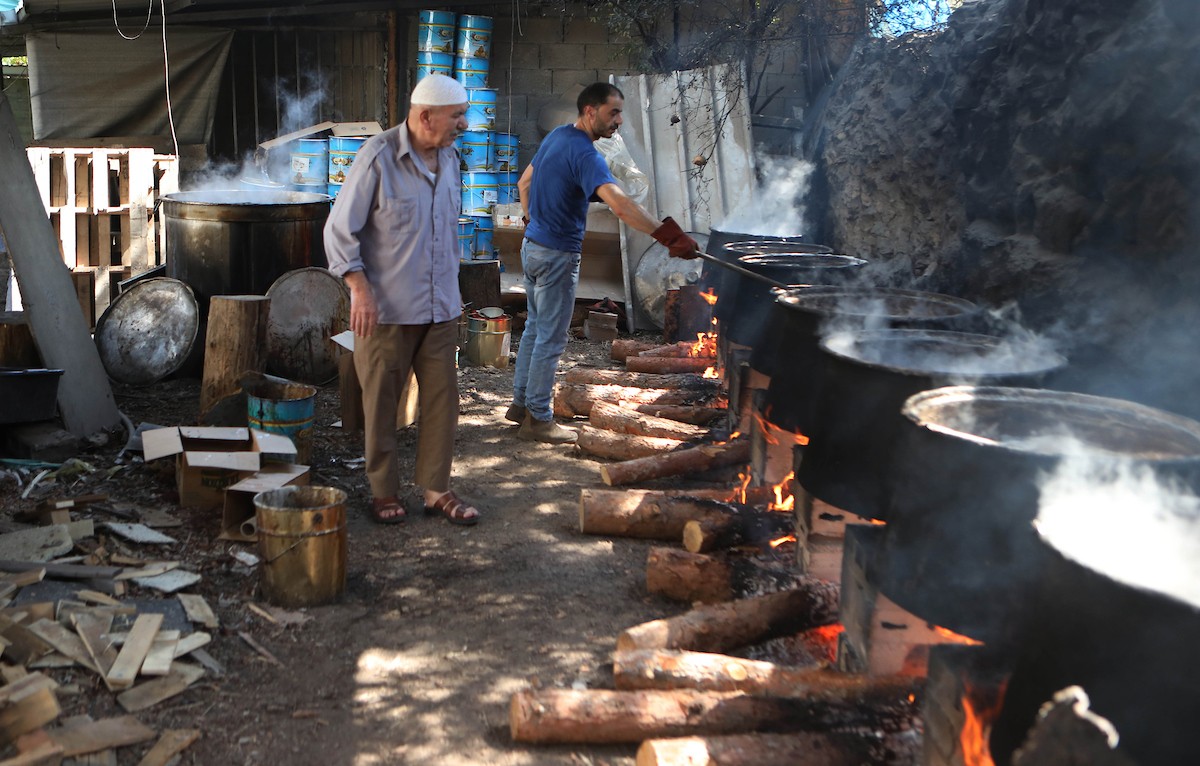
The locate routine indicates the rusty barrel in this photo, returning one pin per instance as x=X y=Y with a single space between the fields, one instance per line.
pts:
x=302 y=542
x=283 y=407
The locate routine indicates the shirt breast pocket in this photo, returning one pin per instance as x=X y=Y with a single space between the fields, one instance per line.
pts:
x=398 y=214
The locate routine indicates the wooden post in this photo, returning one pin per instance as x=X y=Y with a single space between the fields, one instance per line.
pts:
x=686 y=314
x=236 y=344
x=479 y=283
x=85 y=398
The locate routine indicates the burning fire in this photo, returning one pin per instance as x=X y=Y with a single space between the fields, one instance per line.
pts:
x=772 y=433
x=710 y=297
x=978 y=714
x=743 y=482
x=705 y=345
x=955 y=638
x=784 y=499
x=781 y=540
x=710 y=372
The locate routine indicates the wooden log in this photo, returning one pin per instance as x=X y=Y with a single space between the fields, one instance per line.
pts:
x=759 y=528
x=660 y=669
x=622 y=420
x=640 y=379
x=699 y=416
x=573 y=399
x=724 y=627
x=680 y=463
x=617 y=446
x=646 y=514
x=686 y=314
x=236 y=343
x=808 y=748
x=710 y=579
x=479 y=284
x=678 y=349
x=667 y=364
x=559 y=716
x=623 y=348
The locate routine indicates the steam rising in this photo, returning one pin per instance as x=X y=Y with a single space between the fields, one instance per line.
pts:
x=777 y=208
x=1121 y=519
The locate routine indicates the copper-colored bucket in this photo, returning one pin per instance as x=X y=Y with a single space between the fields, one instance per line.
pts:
x=302 y=541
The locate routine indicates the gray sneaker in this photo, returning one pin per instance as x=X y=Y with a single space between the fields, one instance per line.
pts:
x=516 y=413
x=546 y=431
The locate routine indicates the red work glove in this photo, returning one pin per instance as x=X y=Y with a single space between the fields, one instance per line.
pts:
x=675 y=240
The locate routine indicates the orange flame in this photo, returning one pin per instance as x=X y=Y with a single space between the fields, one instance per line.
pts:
x=784 y=499
x=743 y=482
x=705 y=345
x=781 y=540
x=709 y=296
x=711 y=373
x=951 y=636
x=980 y=709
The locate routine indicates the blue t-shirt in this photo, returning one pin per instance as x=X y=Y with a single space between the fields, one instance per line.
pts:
x=567 y=170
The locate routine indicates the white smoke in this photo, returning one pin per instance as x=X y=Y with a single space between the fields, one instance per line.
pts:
x=778 y=207
x=1121 y=519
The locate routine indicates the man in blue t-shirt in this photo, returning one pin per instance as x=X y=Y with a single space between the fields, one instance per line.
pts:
x=566 y=173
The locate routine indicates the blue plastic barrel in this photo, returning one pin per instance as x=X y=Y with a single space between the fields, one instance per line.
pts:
x=476 y=151
x=471 y=72
x=481 y=108
x=284 y=407
x=506 y=188
x=436 y=31
x=342 y=150
x=466 y=238
x=434 y=63
x=482 y=251
x=474 y=38
x=506 y=151
x=478 y=193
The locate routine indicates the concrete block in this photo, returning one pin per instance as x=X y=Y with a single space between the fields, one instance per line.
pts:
x=522 y=55
x=561 y=56
x=605 y=57
x=565 y=80
x=547 y=30
x=531 y=81
x=583 y=31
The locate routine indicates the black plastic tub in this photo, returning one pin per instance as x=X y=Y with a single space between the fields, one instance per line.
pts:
x=28 y=394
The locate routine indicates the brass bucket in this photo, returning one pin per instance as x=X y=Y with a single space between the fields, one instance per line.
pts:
x=302 y=541
x=488 y=337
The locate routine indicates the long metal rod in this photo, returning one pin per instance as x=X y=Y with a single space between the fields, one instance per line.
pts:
x=743 y=271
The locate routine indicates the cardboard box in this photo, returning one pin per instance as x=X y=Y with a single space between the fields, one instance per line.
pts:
x=209 y=459
x=239 y=498
x=339 y=129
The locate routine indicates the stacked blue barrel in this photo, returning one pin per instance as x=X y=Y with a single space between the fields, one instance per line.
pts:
x=342 y=150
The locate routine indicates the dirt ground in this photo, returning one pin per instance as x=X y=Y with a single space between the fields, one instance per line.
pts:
x=438 y=626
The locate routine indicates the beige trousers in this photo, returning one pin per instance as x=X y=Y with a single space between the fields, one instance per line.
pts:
x=383 y=362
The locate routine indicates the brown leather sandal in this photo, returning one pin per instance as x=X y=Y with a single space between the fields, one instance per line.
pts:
x=454 y=509
x=387 y=510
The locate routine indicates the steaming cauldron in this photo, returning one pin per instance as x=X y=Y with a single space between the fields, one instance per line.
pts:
x=240 y=242
x=867 y=376
x=1128 y=638
x=801 y=315
x=960 y=549
x=723 y=281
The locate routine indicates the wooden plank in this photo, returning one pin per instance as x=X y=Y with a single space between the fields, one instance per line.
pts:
x=23 y=645
x=151 y=693
x=65 y=642
x=198 y=610
x=91 y=628
x=85 y=399
x=46 y=754
x=192 y=642
x=161 y=655
x=26 y=704
x=170 y=744
x=61 y=571
x=141 y=636
x=101 y=735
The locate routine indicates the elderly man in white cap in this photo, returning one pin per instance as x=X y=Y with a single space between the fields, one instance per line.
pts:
x=392 y=235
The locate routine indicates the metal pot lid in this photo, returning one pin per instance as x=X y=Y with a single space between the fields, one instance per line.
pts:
x=308 y=307
x=921 y=352
x=1056 y=423
x=800 y=261
x=886 y=303
x=243 y=205
x=760 y=247
x=148 y=331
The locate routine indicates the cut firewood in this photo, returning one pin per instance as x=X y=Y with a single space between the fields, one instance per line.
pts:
x=757 y=528
x=724 y=627
x=26 y=704
x=808 y=748
x=151 y=693
x=640 y=379
x=605 y=717
x=649 y=515
x=622 y=348
x=617 y=446
x=682 y=348
x=668 y=364
x=170 y=744
x=710 y=579
x=662 y=669
x=680 y=463
x=571 y=399
x=101 y=735
x=129 y=661
x=683 y=413
x=613 y=417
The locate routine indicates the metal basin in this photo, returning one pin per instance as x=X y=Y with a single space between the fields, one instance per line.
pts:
x=148 y=332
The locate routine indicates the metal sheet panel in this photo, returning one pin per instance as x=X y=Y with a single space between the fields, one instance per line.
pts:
x=671 y=120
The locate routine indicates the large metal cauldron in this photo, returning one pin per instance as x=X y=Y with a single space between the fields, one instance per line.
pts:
x=721 y=280
x=240 y=242
x=1127 y=637
x=802 y=316
x=960 y=549
x=868 y=374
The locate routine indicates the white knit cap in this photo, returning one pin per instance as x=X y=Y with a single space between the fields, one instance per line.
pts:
x=438 y=90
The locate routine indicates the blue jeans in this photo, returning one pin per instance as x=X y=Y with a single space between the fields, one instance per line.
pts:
x=550 y=280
